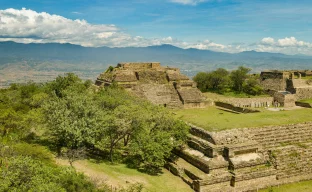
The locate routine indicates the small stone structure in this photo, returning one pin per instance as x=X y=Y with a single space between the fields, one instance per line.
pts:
x=245 y=159
x=164 y=86
x=274 y=80
x=285 y=99
x=291 y=81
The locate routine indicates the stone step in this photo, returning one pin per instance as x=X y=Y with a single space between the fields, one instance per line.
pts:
x=190 y=170
x=201 y=133
x=254 y=174
x=199 y=160
x=246 y=160
x=204 y=146
x=241 y=148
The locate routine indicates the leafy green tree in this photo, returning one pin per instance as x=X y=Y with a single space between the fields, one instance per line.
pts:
x=202 y=81
x=61 y=83
x=252 y=86
x=238 y=78
x=11 y=122
x=156 y=137
x=216 y=80
x=72 y=120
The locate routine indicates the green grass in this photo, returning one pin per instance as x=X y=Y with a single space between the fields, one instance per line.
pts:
x=306 y=77
x=305 y=186
x=306 y=101
x=213 y=119
x=120 y=174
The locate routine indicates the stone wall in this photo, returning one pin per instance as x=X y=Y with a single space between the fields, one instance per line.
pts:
x=233 y=108
x=285 y=99
x=274 y=80
x=142 y=65
x=303 y=93
x=302 y=104
x=249 y=102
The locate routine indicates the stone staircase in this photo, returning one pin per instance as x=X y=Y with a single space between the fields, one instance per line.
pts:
x=244 y=159
x=208 y=165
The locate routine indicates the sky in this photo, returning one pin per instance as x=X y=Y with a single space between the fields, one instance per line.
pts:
x=282 y=26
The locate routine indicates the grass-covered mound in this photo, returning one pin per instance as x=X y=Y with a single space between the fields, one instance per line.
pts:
x=214 y=119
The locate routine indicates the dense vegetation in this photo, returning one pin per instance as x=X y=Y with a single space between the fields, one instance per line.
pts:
x=223 y=81
x=76 y=120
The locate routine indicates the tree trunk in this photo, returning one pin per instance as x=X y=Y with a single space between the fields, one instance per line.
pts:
x=111 y=153
x=126 y=140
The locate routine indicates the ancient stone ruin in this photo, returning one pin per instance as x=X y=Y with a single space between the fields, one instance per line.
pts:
x=244 y=159
x=296 y=82
x=164 y=86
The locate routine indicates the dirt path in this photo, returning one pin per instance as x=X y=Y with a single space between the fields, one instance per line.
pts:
x=99 y=177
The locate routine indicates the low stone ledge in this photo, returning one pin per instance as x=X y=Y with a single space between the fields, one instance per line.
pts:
x=302 y=104
x=233 y=108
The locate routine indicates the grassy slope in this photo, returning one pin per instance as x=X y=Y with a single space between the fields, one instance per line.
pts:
x=305 y=186
x=306 y=101
x=214 y=119
x=121 y=176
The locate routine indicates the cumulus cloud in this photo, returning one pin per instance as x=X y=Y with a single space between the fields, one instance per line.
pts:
x=286 y=42
x=28 y=26
x=209 y=45
x=287 y=45
x=43 y=27
x=268 y=41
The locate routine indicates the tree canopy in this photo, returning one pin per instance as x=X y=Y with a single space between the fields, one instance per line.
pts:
x=223 y=81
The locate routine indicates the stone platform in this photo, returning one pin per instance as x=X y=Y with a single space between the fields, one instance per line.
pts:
x=244 y=159
x=164 y=86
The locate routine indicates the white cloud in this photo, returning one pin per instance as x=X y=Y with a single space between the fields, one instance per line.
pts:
x=209 y=45
x=287 y=45
x=188 y=2
x=28 y=26
x=268 y=40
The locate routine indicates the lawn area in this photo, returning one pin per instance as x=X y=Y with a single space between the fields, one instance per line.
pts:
x=306 y=101
x=305 y=186
x=120 y=175
x=213 y=119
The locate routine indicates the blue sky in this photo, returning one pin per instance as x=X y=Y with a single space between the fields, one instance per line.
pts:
x=220 y=25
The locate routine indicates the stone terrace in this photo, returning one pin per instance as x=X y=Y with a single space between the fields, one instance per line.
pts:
x=161 y=85
x=244 y=159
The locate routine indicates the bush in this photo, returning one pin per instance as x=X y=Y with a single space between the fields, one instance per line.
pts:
x=22 y=173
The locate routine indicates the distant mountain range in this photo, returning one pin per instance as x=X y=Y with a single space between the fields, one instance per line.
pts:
x=189 y=60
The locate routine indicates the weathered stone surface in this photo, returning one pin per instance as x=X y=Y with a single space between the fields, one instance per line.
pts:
x=161 y=85
x=249 y=158
x=249 y=102
x=285 y=99
x=280 y=81
x=274 y=80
